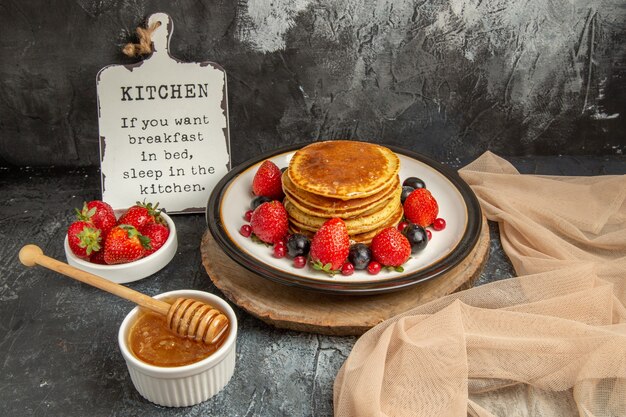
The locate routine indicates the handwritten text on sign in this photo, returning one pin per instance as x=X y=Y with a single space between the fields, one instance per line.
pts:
x=163 y=129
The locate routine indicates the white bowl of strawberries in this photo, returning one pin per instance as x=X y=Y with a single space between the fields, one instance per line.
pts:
x=121 y=245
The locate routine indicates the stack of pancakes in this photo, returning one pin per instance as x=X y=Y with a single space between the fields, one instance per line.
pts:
x=355 y=181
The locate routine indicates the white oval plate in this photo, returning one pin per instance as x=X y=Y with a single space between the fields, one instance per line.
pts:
x=457 y=205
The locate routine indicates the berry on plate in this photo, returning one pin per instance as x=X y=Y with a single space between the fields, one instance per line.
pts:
x=360 y=255
x=298 y=245
x=347 y=269
x=245 y=230
x=267 y=181
x=100 y=214
x=439 y=224
x=390 y=247
x=417 y=237
x=280 y=250
x=125 y=244
x=373 y=268
x=299 y=262
x=158 y=234
x=258 y=200
x=421 y=207
x=414 y=183
x=330 y=246
x=269 y=222
x=84 y=238
x=406 y=191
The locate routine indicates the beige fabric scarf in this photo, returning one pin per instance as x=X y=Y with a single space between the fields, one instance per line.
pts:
x=551 y=342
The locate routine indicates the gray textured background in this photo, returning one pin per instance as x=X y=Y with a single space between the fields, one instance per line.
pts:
x=448 y=78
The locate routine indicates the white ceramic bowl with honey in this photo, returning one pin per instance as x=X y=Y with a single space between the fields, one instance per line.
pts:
x=187 y=385
x=131 y=271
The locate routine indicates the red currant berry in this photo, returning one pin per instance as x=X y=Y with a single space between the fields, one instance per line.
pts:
x=373 y=268
x=402 y=225
x=280 y=251
x=246 y=230
x=299 y=261
x=248 y=215
x=429 y=234
x=439 y=224
x=347 y=269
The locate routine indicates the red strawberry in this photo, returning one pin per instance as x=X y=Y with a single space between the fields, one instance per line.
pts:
x=267 y=181
x=83 y=238
x=158 y=234
x=140 y=215
x=420 y=207
x=269 y=222
x=390 y=247
x=100 y=214
x=330 y=246
x=125 y=244
x=97 y=257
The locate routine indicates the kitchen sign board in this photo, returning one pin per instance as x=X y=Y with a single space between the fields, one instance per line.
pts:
x=163 y=128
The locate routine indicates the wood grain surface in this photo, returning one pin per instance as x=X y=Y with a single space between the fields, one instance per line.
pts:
x=303 y=310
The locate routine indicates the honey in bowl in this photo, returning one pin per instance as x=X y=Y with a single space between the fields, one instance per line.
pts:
x=152 y=342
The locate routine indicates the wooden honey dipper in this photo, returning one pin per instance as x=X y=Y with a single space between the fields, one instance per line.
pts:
x=185 y=317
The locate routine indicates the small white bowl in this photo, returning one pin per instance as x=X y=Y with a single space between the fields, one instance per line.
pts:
x=183 y=386
x=132 y=271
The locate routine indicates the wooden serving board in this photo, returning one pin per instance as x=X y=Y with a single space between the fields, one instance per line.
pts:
x=342 y=315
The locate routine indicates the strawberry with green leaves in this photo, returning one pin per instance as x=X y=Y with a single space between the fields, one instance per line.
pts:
x=391 y=248
x=125 y=244
x=83 y=238
x=330 y=246
x=140 y=215
x=100 y=214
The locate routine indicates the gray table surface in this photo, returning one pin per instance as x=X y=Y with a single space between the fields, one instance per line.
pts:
x=58 y=345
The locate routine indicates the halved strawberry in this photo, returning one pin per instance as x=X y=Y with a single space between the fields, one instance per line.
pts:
x=390 y=247
x=420 y=207
x=125 y=244
x=270 y=222
x=84 y=238
x=330 y=246
x=100 y=214
x=267 y=181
